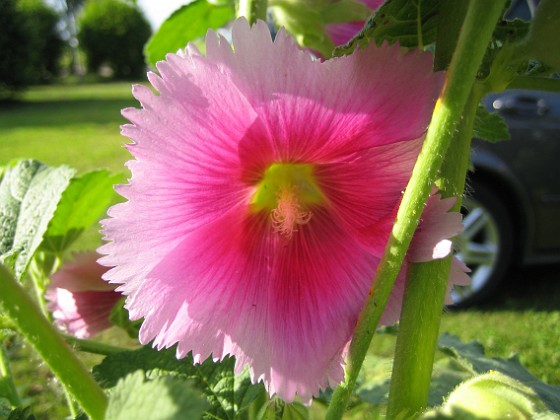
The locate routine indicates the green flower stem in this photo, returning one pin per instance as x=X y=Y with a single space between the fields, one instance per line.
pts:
x=425 y=291
x=31 y=323
x=412 y=366
x=93 y=346
x=473 y=40
x=453 y=172
x=252 y=10
x=6 y=379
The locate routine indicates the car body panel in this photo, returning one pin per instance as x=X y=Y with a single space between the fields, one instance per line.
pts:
x=528 y=166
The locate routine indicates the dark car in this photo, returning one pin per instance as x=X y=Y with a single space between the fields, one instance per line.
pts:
x=512 y=209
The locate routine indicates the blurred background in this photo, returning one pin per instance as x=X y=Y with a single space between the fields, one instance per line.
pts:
x=66 y=69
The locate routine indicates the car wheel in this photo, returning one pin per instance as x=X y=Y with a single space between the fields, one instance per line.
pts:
x=485 y=245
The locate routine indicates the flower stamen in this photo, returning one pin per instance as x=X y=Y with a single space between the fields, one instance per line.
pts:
x=288 y=214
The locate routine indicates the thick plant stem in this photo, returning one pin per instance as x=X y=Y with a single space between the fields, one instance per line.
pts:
x=50 y=345
x=473 y=40
x=6 y=380
x=252 y=10
x=425 y=291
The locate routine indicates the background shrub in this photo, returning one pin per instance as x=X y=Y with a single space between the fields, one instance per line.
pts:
x=14 y=50
x=46 y=45
x=30 y=46
x=114 y=33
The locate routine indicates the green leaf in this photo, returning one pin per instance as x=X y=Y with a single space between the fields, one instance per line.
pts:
x=307 y=24
x=511 y=31
x=411 y=23
x=184 y=25
x=545 y=32
x=165 y=398
x=5 y=407
x=120 y=318
x=29 y=194
x=18 y=413
x=471 y=356
x=227 y=393
x=451 y=17
x=85 y=200
x=490 y=126
x=375 y=380
x=448 y=373
x=295 y=411
x=276 y=409
x=342 y=11
x=504 y=58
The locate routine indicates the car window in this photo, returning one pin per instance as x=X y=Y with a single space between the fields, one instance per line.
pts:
x=522 y=9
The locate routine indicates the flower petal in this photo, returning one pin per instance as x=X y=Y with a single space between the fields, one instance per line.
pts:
x=284 y=307
x=315 y=110
x=198 y=263
x=81 y=314
x=365 y=188
x=437 y=226
x=82 y=274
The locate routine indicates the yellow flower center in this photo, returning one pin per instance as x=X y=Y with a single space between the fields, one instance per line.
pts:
x=287 y=191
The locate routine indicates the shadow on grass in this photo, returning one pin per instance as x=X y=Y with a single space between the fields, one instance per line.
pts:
x=57 y=113
x=534 y=288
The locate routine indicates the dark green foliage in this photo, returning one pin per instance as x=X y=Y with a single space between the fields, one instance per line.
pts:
x=82 y=204
x=14 y=47
x=46 y=45
x=29 y=43
x=490 y=126
x=114 y=33
x=228 y=394
x=411 y=23
x=21 y=414
x=164 y=397
x=29 y=195
x=544 y=34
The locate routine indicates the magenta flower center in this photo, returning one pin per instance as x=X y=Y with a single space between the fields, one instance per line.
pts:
x=287 y=191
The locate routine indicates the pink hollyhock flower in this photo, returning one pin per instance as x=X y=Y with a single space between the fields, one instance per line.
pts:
x=341 y=33
x=258 y=176
x=80 y=301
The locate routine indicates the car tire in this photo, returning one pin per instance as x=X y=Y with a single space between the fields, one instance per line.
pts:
x=485 y=245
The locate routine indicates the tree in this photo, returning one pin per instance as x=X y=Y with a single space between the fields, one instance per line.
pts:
x=46 y=45
x=14 y=44
x=68 y=11
x=114 y=33
x=30 y=45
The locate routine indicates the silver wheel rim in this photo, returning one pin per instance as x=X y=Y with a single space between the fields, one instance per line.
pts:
x=478 y=247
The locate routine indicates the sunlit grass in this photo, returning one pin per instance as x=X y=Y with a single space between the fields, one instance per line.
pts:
x=75 y=125
x=533 y=335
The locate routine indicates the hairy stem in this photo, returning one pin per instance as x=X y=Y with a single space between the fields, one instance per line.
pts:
x=473 y=40
x=425 y=291
x=50 y=345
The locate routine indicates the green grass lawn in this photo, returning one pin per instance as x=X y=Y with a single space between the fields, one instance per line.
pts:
x=74 y=125
x=79 y=126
